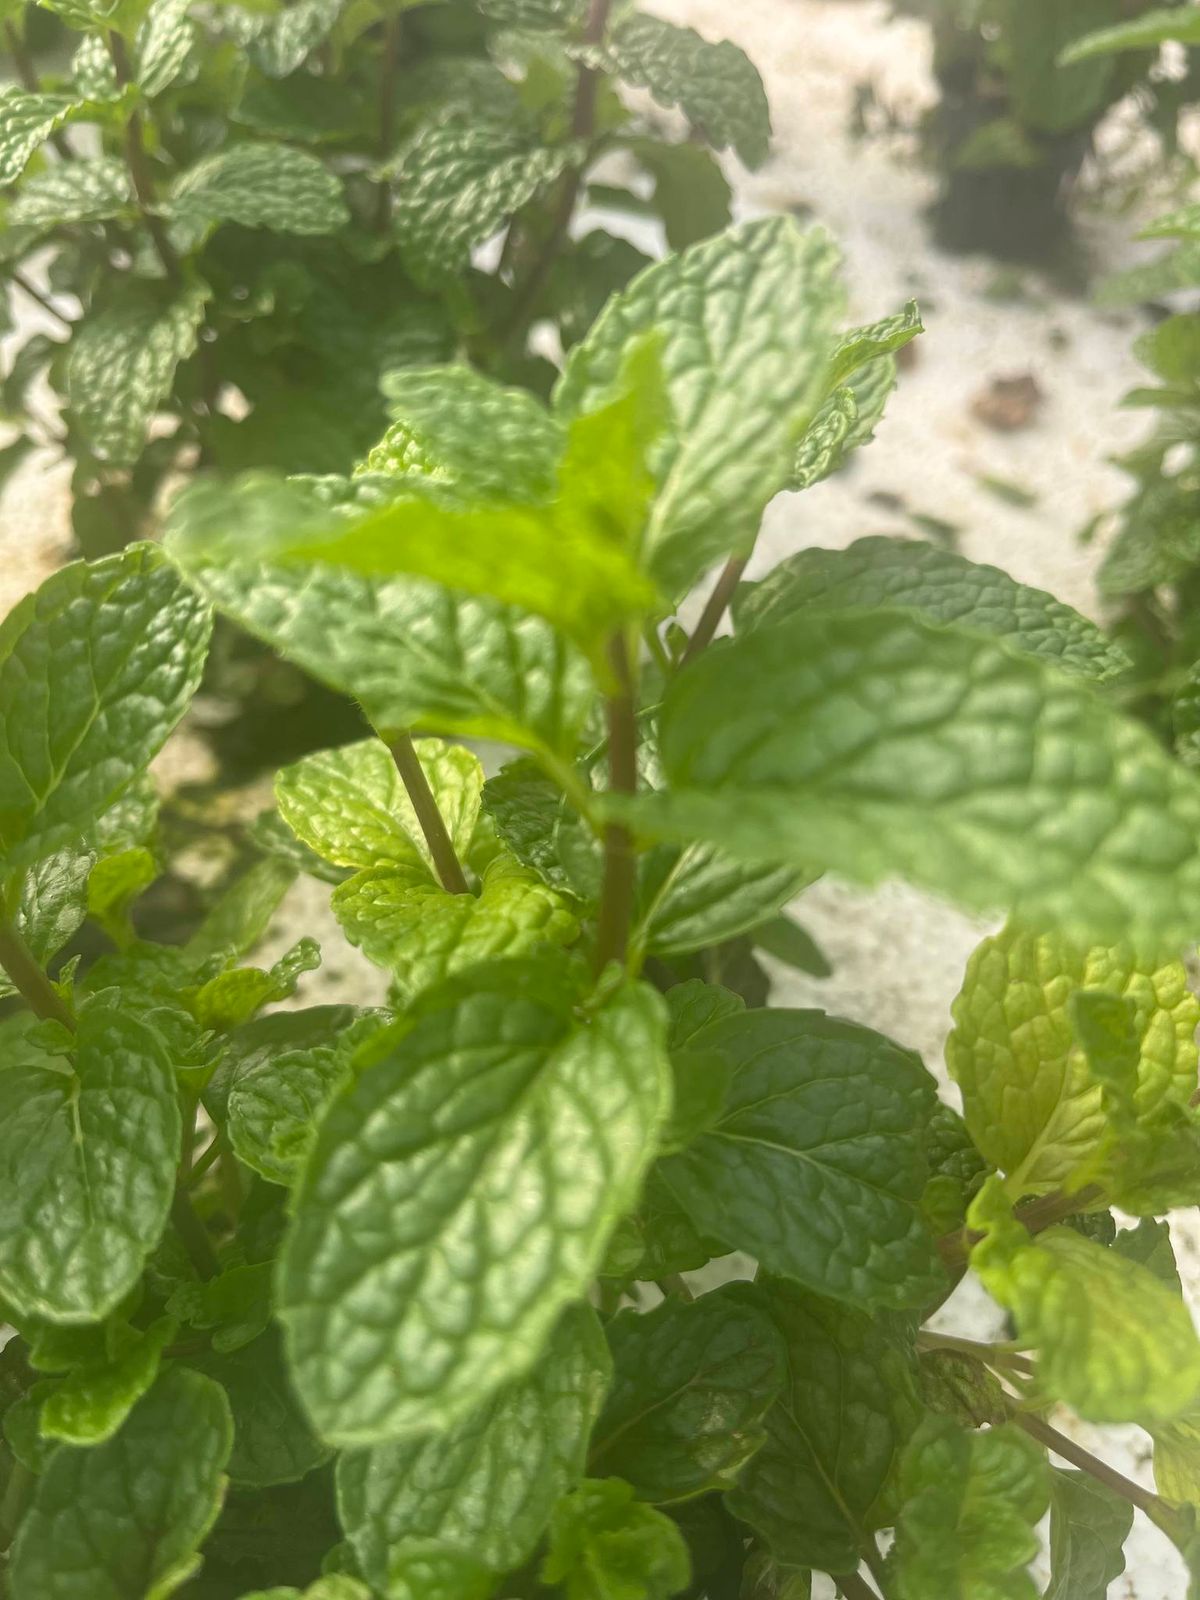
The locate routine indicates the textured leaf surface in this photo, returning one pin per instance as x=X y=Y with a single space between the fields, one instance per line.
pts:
x=605 y=1545
x=1112 y=1340
x=89 y=1152
x=72 y=191
x=269 y=186
x=121 y=363
x=122 y=1522
x=939 y=586
x=1146 y=32
x=26 y=120
x=495 y=1148
x=816 y=1165
x=815 y=1490
x=971 y=1502
x=745 y=323
x=692 y=1382
x=273 y=1441
x=885 y=746
x=486 y=1488
x=1032 y=1104
x=698 y=896
x=92 y=1402
x=164 y=41
x=716 y=86
x=1089 y=1525
x=52 y=905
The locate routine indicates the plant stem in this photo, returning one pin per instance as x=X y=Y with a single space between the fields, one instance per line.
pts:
x=993 y=1355
x=620 y=859
x=1162 y=1515
x=17 y=1494
x=201 y=1166
x=139 y=166
x=583 y=127
x=854 y=1587
x=34 y=293
x=673 y=1284
x=30 y=982
x=387 y=116
x=194 y=1235
x=441 y=846
x=714 y=609
x=28 y=75
x=1044 y=1212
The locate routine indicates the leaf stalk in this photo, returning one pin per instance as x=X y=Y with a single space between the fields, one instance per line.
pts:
x=620 y=857
x=139 y=167
x=29 y=980
x=714 y=608
x=441 y=846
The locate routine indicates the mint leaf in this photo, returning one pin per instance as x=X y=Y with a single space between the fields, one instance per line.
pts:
x=1112 y=1340
x=241 y=915
x=1177 y=1459
x=121 y=362
x=846 y=420
x=939 y=586
x=123 y=1521
x=1088 y=1529
x=1146 y=32
x=691 y=193
x=165 y=39
x=699 y=896
x=816 y=1164
x=763 y=1578
x=90 y=1145
x=564 y=1114
x=827 y=758
x=604 y=1545
x=691 y=1384
x=716 y=86
x=524 y=807
x=1033 y=1105
x=236 y=1304
x=52 y=904
x=486 y=1488
x=971 y=1502
x=273 y=1441
x=92 y=1402
x=74 y=191
x=259 y=186
x=278 y=42
x=26 y=121
x=745 y=324
x=816 y=1490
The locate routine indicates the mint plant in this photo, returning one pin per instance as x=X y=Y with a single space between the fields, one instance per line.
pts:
x=433 y=1299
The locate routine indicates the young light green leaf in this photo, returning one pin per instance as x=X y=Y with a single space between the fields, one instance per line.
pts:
x=817 y=1488
x=83 y=190
x=52 y=904
x=605 y=1545
x=273 y=1441
x=716 y=86
x=1031 y=1101
x=939 y=586
x=1089 y=1525
x=1177 y=1459
x=485 y=1489
x=816 y=1164
x=745 y=323
x=1112 y=1340
x=862 y=347
x=96 y=668
x=971 y=1503
x=846 y=420
x=123 y=1521
x=883 y=745
x=692 y=1383
x=26 y=121
x=164 y=41
x=93 y=1400
x=271 y=186
x=1146 y=32
x=562 y=1126
x=90 y=1145
x=121 y=362
x=231 y=998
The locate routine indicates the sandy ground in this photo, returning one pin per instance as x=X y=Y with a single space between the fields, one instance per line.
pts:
x=898 y=956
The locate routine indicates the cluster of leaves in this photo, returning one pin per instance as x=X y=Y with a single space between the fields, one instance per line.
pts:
x=1017 y=107
x=252 y=218
x=361 y=1303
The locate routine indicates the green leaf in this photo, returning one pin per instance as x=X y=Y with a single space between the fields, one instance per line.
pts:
x=242 y=914
x=236 y=1303
x=691 y=193
x=1112 y=1340
x=164 y=42
x=692 y=1382
x=1047 y=93
x=716 y=86
x=92 y=1402
x=1088 y=1529
x=52 y=905
x=694 y=898
x=337 y=1586
x=92 y=70
x=787 y=941
x=233 y=997
x=71 y=192
x=457 y=182
x=1177 y=1459
x=956 y=1385
x=880 y=745
x=860 y=347
x=259 y=185
x=764 y=1578
x=745 y=323
x=27 y=121
x=280 y=41
x=253 y=1047
x=485 y=1489
x=273 y=1441
x=843 y=422
x=90 y=1146
x=938 y=586
x=523 y=14
x=816 y=1165
x=564 y=1111
x=817 y=1488
x=121 y=362
x=1032 y=1103
x=524 y=807
x=604 y=1545
x=123 y=1521
x=1146 y=32
x=971 y=1501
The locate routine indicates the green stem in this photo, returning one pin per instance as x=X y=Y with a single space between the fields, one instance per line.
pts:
x=30 y=982
x=854 y=1587
x=992 y=1355
x=441 y=846
x=673 y=1284
x=139 y=167
x=620 y=858
x=1036 y=1215
x=1160 y=1513
x=200 y=1167
x=194 y=1236
x=714 y=609
x=34 y=293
